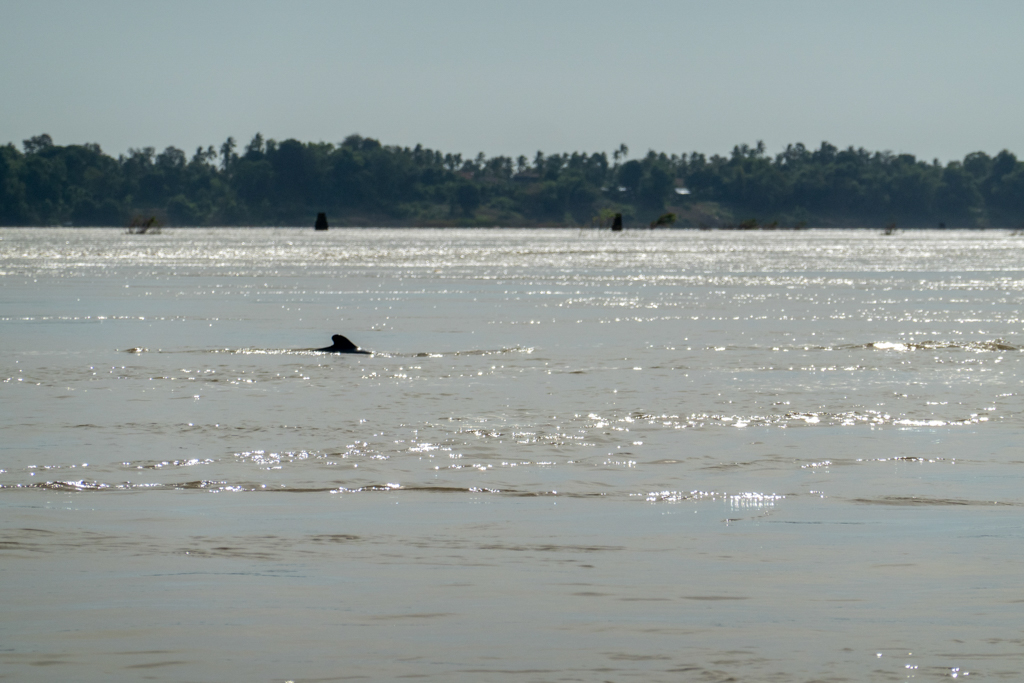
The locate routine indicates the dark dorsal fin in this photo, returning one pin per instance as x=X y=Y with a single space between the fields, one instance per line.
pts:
x=342 y=345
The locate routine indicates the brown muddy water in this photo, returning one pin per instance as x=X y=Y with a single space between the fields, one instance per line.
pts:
x=654 y=456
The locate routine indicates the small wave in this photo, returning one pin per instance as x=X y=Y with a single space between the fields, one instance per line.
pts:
x=214 y=486
x=451 y=354
x=927 y=345
x=801 y=419
x=492 y=352
x=250 y=351
x=737 y=501
x=470 y=352
x=924 y=500
x=220 y=486
x=245 y=351
x=155 y=465
x=977 y=346
x=80 y=485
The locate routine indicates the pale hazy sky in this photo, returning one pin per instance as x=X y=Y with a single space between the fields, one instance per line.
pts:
x=932 y=78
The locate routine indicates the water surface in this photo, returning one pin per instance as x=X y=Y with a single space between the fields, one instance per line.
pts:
x=665 y=455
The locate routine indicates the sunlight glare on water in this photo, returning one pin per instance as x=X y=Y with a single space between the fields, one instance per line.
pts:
x=654 y=455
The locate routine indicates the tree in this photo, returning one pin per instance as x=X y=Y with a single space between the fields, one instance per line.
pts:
x=204 y=156
x=37 y=144
x=467 y=196
x=538 y=162
x=253 y=180
x=254 y=150
x=629 y=176
x=621 y=153
x=958 y=199
x=1006 y=189
x=978 y=164
x=13 y=207
x=88 y=212
x=227 y=153
x=655 y=187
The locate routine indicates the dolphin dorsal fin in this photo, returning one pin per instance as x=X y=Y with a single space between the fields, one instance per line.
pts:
x=343 y=343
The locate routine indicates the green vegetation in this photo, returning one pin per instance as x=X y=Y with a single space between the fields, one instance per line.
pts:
x=361 y=182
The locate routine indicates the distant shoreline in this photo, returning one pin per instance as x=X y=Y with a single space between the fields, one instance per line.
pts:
x=360 y=182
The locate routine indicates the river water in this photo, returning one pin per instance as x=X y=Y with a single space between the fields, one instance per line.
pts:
x=571 y=456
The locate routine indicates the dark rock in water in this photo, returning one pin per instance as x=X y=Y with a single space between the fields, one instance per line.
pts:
x=617 y=223
x=342 y=345
x=321 y=223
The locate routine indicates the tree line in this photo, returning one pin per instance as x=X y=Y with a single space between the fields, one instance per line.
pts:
x=359 y=181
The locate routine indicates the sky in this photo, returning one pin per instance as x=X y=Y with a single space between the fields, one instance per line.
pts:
x=932 y=78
